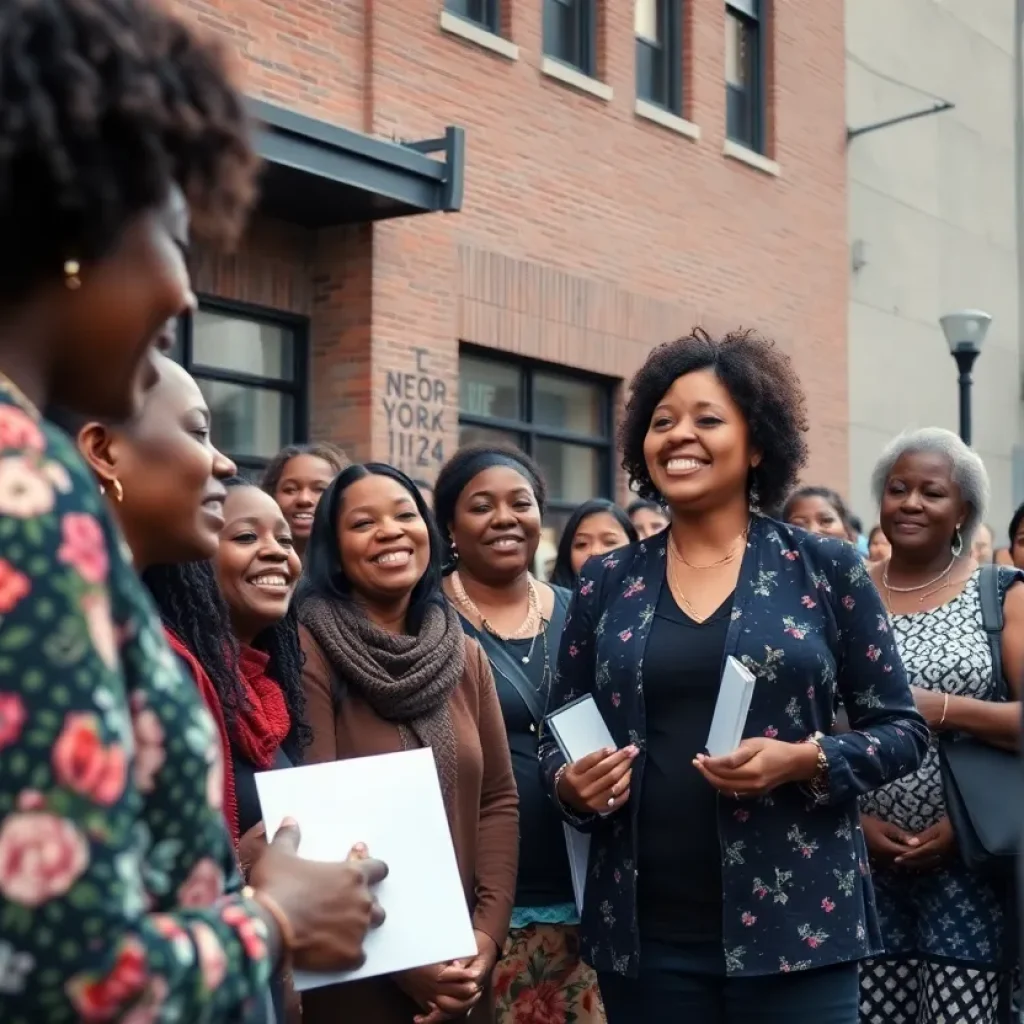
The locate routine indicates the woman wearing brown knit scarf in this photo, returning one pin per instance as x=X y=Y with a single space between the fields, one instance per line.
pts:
x=389 y=668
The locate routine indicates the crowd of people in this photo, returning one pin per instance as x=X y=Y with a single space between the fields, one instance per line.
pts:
x=169 y=629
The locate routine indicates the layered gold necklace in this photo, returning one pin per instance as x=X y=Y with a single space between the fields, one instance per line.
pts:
x=676 y=558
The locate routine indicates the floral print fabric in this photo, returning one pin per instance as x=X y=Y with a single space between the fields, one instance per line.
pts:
x=541 y=979
x=114 y=858
x=808 y=622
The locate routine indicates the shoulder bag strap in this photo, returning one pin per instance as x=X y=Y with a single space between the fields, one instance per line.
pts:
x=992 y=621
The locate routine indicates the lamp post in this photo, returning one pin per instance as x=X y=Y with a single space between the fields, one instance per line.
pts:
x=965 y=333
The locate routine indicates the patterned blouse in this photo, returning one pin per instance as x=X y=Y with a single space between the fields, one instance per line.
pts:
x=808 y=622
x=114 y=857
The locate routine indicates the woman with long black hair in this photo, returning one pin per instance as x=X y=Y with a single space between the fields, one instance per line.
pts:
x=389 y=668
x=594 y=528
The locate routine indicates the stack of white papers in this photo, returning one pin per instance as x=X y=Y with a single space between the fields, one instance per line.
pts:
x=393 y=804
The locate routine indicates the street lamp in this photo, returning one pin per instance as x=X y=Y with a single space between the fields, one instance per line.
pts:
x=965 y=333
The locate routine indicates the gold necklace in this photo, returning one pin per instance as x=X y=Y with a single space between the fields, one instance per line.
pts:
x=676 y=589
x=529 y=625
x=19 y=396
x=724 y=560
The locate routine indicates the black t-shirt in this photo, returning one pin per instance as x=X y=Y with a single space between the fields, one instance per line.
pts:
x=543 y=879
x=249 y=813
x=679 y=877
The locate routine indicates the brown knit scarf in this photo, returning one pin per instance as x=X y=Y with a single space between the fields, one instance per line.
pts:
x=407 y=680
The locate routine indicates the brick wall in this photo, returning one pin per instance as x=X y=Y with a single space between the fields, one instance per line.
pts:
x=588 y=233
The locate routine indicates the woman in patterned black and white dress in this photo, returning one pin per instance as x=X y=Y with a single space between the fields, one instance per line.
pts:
x=948 y=948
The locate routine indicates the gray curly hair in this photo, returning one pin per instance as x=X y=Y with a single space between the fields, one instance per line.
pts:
x=967 y=470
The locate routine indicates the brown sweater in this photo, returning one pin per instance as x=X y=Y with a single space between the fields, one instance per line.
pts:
x=484 y=820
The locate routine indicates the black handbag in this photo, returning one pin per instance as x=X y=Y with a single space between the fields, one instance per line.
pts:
x=984 y=785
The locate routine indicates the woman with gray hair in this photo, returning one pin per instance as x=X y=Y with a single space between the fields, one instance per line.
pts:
x=944 y=927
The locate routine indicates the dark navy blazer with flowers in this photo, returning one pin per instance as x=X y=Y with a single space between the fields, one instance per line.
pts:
x=810 y=625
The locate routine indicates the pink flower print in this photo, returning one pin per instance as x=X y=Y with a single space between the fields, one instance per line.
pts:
x=610 y=562
x=887 y=668
x=760 y=891
x=807 y=852
x=19 y=430
x=813 y=941
x=587 y=588
x=83 y=547
x=883 y=626
x=626 y=635
x=213 y=961
x=791 y=555
x=741 y=815
x=796 y=632
x=573 y=650
x=616 y=700
x=617 y=876
x=636 y=587
x=149 y=744
x=771 y=732
x=848 y=602
x=748 y=919
x=41 y=857
x=874 y=653
x=808 y=602
x=827 y=905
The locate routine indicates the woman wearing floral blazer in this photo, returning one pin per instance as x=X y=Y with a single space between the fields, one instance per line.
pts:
x=728 y=889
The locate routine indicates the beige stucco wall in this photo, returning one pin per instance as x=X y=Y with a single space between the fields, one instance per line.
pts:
x=932 y=210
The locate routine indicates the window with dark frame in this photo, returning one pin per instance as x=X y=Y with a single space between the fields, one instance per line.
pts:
x=250 y=364
x=657 y=25
x=744 y=72
x=563 y=420
x=485 y=13
x=570 y=33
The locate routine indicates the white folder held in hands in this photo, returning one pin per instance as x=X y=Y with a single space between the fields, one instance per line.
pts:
x=579 y=729
x=731 y=709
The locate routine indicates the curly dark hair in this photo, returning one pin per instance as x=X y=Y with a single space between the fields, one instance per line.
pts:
x=562 y=575
x=324 y=450
x=761 y=380
x=191 y=606
x=104 y=104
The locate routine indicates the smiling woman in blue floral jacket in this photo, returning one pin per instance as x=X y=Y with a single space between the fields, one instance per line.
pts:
x=732 y=889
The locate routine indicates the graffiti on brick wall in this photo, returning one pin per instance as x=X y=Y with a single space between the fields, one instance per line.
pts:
x=414 y=404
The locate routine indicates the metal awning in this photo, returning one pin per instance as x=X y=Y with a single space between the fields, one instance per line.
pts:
x=319 y=175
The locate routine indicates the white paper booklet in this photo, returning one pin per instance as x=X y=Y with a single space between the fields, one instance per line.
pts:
x=393 y=804
x=731 y=709
x=579 y=730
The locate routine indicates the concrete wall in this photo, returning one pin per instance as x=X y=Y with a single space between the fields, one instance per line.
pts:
x=931 y=204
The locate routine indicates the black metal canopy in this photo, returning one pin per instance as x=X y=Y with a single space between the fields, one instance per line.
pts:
x=319 y=175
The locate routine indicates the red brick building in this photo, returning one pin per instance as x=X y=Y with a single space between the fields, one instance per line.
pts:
x=618 y=171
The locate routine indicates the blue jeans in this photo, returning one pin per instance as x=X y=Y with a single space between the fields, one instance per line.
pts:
x=688 y=983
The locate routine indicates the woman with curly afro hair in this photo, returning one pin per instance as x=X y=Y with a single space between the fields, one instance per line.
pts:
x=119 y=892
x=725 y=885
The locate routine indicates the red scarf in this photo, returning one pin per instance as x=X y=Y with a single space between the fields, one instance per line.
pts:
x=258 y=729
x=212 y=701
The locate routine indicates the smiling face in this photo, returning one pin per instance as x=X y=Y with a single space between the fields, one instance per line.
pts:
x=384 y=541
x=172 y=498
x=816 y=514
x=257 y=566
x=921 y=506
x=303 y=481
x=596 y=535
x=697 y=447
x=497 y=525
x=648 y=522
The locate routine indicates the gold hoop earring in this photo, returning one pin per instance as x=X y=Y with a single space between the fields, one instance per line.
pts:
x=116 y=490
x=72 y=268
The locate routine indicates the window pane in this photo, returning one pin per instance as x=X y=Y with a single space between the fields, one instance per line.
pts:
x=245 y=346
x=646 y=21
x=651 y=79
x=561 y=37
x=473 y=10
x=563 y=403
x=573 y=472
x=489 y=388
x=486 y=435
x=736 y=43
x=248 y=421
